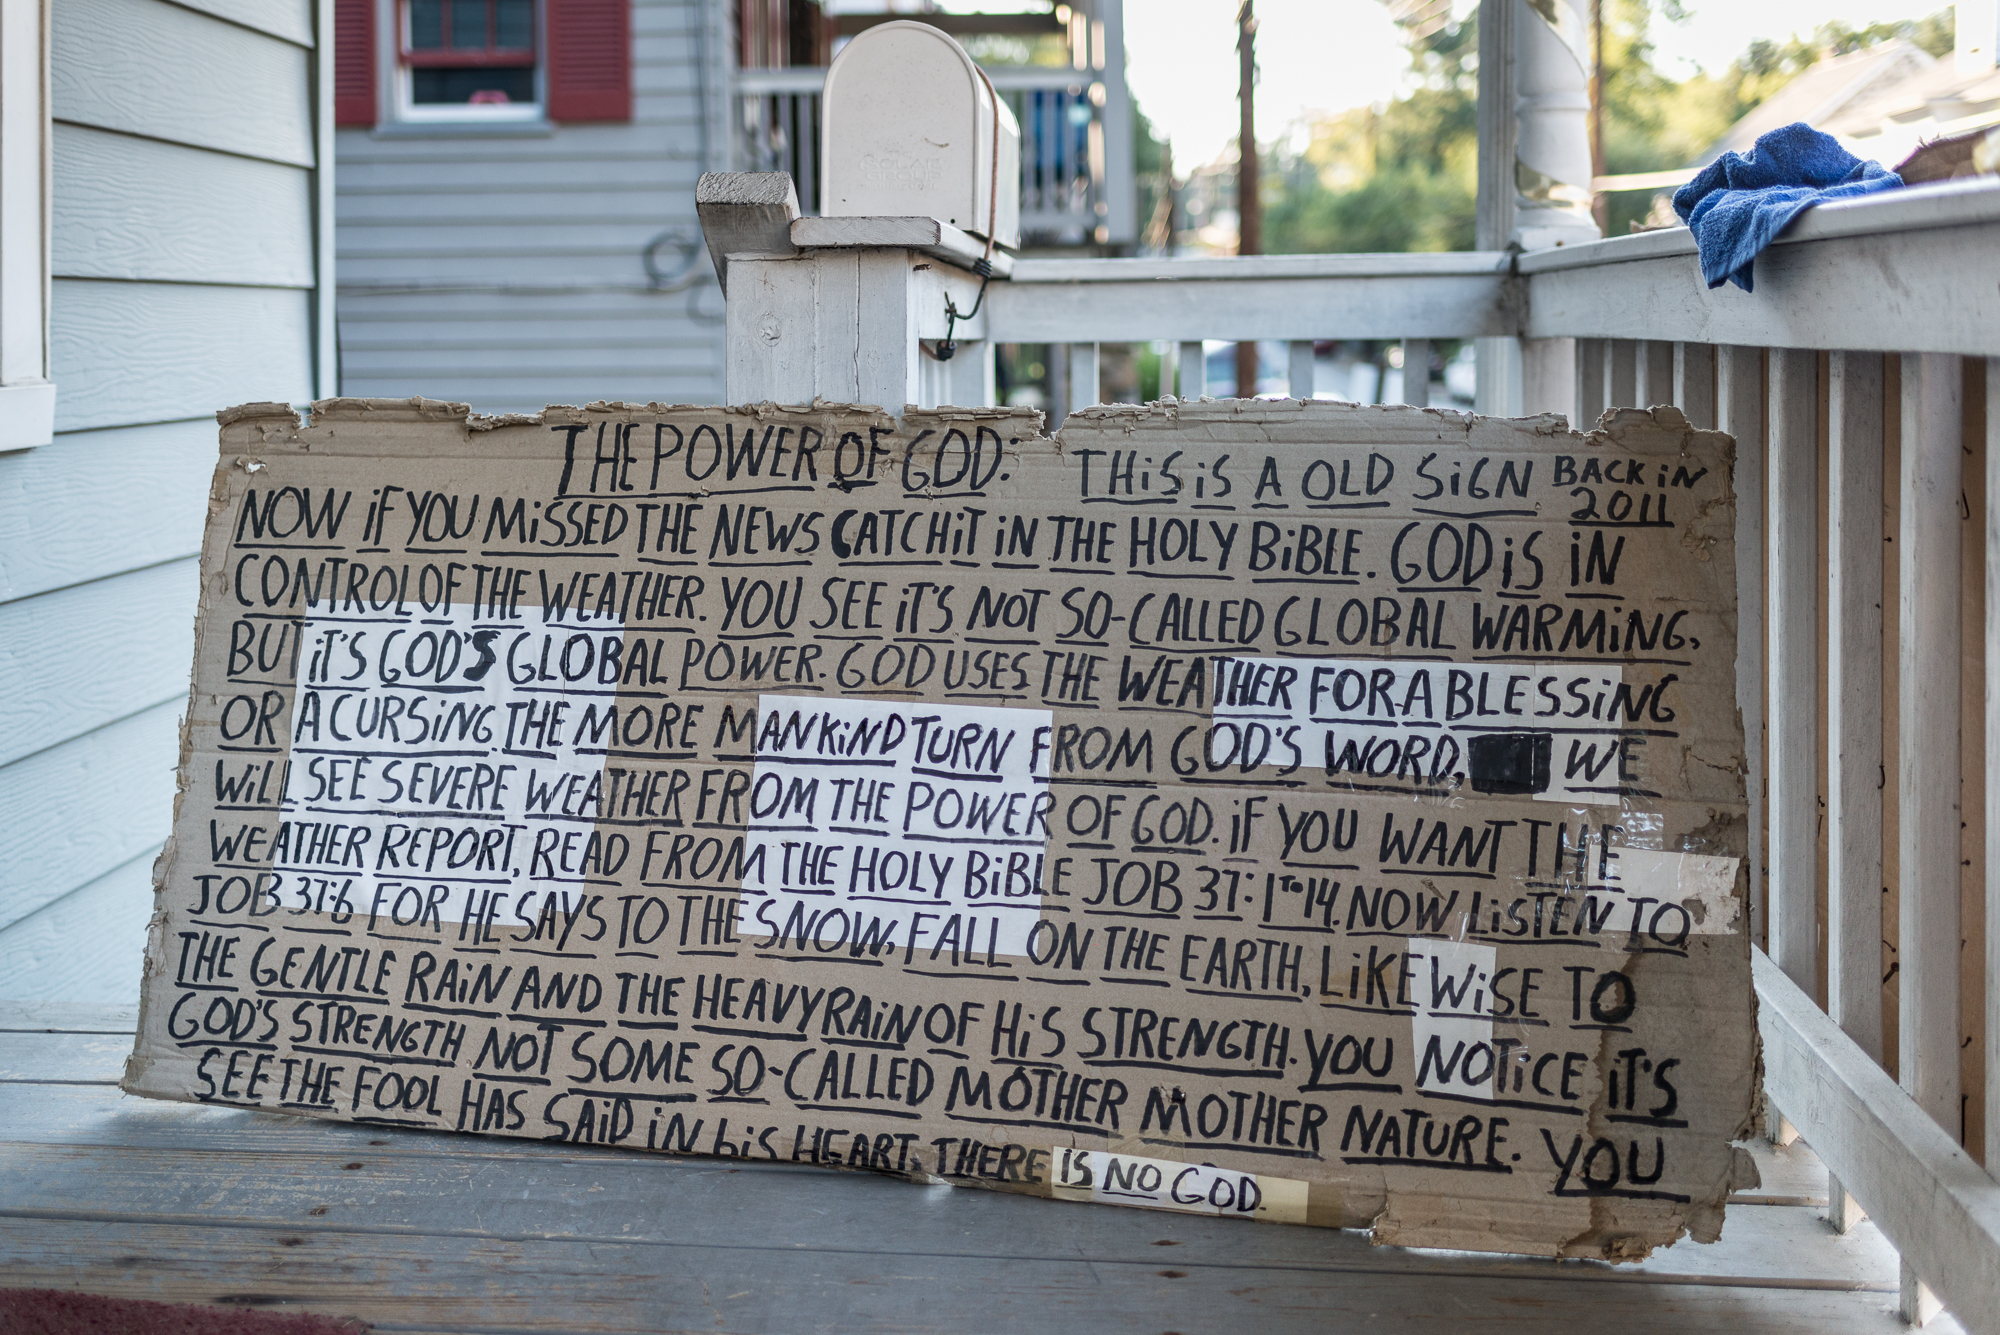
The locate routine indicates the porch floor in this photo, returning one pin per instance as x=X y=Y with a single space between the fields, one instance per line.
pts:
x=422 y=1231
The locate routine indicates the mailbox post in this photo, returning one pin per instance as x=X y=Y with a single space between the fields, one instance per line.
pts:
x=878 y=299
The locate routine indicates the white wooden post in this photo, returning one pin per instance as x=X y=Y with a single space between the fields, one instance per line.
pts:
x=1299 y=368
x=1854 y=698
x=1928 y=719
x=1739 y=392
x=1534 y=166
x=1193 y=371
x=1793 y=690
x=1694 y=382
x=1417 y=371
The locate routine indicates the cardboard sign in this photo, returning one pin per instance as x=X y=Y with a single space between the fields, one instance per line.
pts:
x=1301 y=813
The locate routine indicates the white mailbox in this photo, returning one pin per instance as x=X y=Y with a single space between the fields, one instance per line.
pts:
x=911 y=127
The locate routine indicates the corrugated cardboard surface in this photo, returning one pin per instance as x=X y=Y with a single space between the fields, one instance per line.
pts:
x=1306 y=813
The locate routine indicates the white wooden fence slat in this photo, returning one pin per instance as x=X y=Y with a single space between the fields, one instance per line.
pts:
x=1792 y=563
x=1083 y=390
x=1694 y=382
x=1417 y=371
x=1928 y=1196
x=1193 y=370
x=1654 y=382
x=1590 y=355
x=1739 y=391
x=1854 y=697
x=1928 y=751
x=1299 y=368
x=1621 y=373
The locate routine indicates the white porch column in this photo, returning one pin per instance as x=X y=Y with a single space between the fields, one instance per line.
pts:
x=1534 y=169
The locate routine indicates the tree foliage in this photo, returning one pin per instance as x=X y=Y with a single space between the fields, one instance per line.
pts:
x=1402 y=176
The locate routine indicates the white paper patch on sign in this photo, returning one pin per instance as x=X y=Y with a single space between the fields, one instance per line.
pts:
x=447 y=771
x=1703 y=885
x=922 y=825
x=1106 y=1178
x=1556 y=732
x=1452 y=1030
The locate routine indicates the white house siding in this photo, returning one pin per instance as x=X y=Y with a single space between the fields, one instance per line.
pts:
x=184 y=269
x=506 y=271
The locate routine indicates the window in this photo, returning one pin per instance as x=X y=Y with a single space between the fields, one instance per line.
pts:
x=454 y=63
x=470 y=58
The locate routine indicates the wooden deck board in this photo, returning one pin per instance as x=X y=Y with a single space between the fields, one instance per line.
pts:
x=427 y=1231
x=485 y=1284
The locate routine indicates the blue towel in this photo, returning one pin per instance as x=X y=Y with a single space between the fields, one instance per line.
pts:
x=1741 y=201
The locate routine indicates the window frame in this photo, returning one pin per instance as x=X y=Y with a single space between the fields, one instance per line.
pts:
x=396 y=81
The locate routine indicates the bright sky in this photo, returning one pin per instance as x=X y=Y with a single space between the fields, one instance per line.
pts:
x=1329 y=55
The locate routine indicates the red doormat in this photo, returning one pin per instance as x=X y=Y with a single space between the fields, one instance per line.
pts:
x=53 y=1312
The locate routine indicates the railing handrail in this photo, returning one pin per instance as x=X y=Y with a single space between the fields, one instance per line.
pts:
x=1916 y=208
x=1007 y=78
x=1224 y=268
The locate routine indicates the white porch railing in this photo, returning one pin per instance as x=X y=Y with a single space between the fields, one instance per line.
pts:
x=1075 y=183
x=1869 y=522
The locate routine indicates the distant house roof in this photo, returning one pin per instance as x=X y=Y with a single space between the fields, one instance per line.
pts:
x=1881 y=103
x=1833 y=88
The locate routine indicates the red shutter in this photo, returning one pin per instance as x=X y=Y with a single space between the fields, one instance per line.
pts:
x=590 y=60
x=354 y=62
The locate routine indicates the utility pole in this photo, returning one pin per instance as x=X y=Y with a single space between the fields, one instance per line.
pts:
x=1249 y=208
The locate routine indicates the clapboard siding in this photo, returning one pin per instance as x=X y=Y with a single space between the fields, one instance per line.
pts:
x=543 y=238
x=63 y=682
x=136 y=208
x=39 y=955
x=96 y=503
x=158 y=70
x=480 y=207
x=132 y=352
x=81 y=809
x=184 y=281
x=289 y=19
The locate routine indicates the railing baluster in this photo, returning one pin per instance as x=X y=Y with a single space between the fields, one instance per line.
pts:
x=1694 y=382
x=1793 y=689
x=1854 y=698
x=1083 y=391
x=1653 y=381
x=1621 y=373
x=1194 y=371
x=1928 y=720
x=1589 y=383
x=1299 y=370
x=1417 y=371
x=1739 y=392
